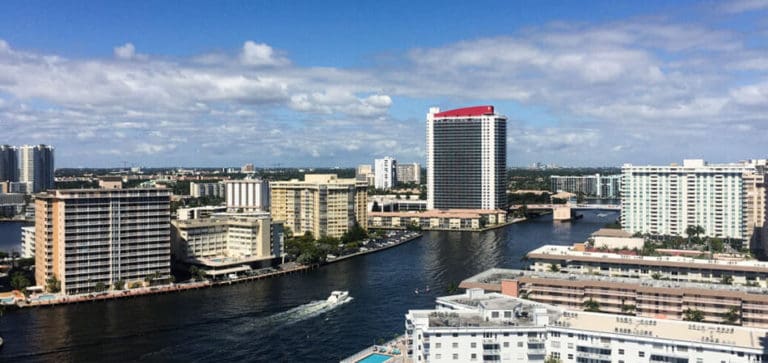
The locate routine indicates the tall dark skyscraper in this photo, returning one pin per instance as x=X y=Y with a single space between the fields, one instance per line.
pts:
x=36 y=167
x=466 y=158
x=9 y=163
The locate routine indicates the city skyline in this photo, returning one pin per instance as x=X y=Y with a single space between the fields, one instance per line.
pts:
x=340 y=84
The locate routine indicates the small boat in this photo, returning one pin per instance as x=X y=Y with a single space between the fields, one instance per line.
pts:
x=416 y=291
x=338 y=297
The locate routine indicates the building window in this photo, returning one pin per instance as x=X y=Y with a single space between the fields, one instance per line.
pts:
x=455 y=345
x=438 y=345
x=473 y=356
x=641 y=354
x=506 y=344
x=473 y=345
x=455 y=356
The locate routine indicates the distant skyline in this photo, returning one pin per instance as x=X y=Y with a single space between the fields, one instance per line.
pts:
x=339 y=83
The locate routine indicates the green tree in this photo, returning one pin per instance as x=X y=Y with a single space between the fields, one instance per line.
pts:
x=119 y=285
x=732 y=316
x=726 y=280
x=693 y=233
x=53 y=284
x=693 y=315
x=100 y=286
x=19 y=281
x=591 y=305
x=355 y=233
x=552 y=359
x=553 y=267
x=627 y=309
x=452 y=288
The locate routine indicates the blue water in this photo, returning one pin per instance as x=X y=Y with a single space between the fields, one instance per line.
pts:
x=236 y=323
x=10 y=236
x=375 y=358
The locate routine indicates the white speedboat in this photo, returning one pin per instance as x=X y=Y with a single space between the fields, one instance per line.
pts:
x=338 y=297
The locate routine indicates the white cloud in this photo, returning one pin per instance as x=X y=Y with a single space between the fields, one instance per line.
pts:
x=740 y=6
x=260 y=54
x=127 y=51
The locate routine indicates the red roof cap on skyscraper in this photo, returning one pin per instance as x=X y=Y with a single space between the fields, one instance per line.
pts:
x=467 y=111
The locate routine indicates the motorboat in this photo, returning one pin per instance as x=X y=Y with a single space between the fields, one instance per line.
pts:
x=338 y=297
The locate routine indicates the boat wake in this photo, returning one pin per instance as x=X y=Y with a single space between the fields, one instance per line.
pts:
x=306 y=311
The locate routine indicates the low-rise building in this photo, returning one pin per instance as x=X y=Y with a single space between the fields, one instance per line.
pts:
x=717 y=303
x=111 y=182
x=439 y=219
x=497 y=328
x=609 y=238
x=729 y=269
x=227 y=239
x=199 y=212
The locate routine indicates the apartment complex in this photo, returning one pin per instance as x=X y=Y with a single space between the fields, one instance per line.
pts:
x=211 y=190
x=239 y=237
x=718 y=303
x=36 y=167
x=365 y=173
x=409 y=173
x=602 y=186
x=576 y=260
x=84 y=237
x=491 y=327
x=385 y=173
x=466 y=158
x=727 y=200
x=439 y=219
x=322 y=204
x=247 y=195
x=9 y=163
x=28 y=242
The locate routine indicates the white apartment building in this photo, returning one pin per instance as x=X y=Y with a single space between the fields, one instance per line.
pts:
x=727 y=200
x=466 y=158
x=409 y=173
x=240 y=237
x=28 y=242
x=480 y=327
x=247 y=195
x=36 y=167
x=88 y=236
x=385 y=171
x=215 y=190
x=602 y=186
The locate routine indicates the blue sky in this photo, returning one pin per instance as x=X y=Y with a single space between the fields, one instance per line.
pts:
x=337 y=83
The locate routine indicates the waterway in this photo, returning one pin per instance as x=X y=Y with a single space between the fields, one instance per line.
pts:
x=247 y=323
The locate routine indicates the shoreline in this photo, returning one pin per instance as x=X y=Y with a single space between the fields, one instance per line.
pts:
x=186 y=286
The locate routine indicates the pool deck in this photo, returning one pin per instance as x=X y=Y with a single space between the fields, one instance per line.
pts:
x=398 y=343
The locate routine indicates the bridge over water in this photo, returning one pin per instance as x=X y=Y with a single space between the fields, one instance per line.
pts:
x=564 y=212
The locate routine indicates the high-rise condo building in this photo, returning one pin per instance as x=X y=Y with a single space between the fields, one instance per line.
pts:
x=603 y=186
x=247 y=195
x=726 y=200
x=322 y=204
x=214 y=190
x=409 y=173
x=386 y=172
x=36 y=167
x=466 y=158
x=9 y=163
x=87 y=238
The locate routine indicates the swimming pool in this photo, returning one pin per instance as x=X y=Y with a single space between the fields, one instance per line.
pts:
x=375 y=358
x=46 y=297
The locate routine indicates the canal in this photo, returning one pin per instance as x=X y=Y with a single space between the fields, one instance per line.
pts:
x=244 y=322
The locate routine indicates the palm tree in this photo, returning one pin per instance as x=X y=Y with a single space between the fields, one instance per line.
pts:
x=693 y=315
x=732 y=316
x=591 y=305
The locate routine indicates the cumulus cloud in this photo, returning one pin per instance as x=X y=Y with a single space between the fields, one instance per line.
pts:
x=127 y=51
x=260 y=54
x=740 y=6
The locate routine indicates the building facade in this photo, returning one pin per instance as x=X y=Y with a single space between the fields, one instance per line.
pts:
x=466 y=159
x=385 y=171
x=409 y=173
x=214 y=190
x=236 y=236
x=247 y=195
x=727 y=200
x=28 y=242
x=9 y=163
x=494 y=328
x=84 y=237
x=36 y=167
x=322 y=204
x=602 y=186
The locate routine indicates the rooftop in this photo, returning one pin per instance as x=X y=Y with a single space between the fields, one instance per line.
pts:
x=553 y=252
x=710 y=334
x=467 y=111
x=495 y=275
x=439 y=213
x=611 y=232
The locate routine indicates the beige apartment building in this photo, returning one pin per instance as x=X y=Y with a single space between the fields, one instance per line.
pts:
x=234 y=237
x=627 y=296
x=322 y=204
x=84 y=237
